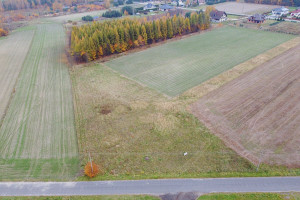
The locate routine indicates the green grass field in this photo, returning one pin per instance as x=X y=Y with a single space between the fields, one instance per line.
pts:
x=251 y=196
x=13 y=51
x=175 y=67
x=37 y=137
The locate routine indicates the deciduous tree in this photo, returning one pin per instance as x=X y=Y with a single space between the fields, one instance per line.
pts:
x=91 y=169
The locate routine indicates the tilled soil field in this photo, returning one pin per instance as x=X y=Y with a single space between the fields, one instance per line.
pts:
x=258 y=114
x=244 y=8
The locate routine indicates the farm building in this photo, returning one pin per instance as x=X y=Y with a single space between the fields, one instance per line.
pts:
x=296 y=13
x=179 y=3
x=149 y=6
x=166 y=7
x=257 y=18
x=218 y=16
x=280 y=11
x=99 y=3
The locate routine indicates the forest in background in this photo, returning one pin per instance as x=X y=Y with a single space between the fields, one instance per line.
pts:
x=276 y=2
x=6 y=5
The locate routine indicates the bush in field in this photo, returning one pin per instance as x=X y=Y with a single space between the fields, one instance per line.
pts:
x=3 y=32
x=188 y=14
x=129 y=10
x=88 y=18
x=91 y=169
x=112 y=14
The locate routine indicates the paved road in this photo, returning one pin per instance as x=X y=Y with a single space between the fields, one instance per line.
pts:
x=154 y=187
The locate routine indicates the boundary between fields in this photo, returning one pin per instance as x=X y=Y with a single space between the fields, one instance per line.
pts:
x=216 y=82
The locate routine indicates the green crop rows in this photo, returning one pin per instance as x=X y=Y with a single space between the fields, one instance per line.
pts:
x=38 y=138
x=177 y=66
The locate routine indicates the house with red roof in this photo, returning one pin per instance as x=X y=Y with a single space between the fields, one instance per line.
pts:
x=218 y=16
x=295 y=13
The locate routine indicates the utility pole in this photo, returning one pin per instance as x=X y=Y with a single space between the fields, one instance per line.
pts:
x=259 y=161
x=91 y=162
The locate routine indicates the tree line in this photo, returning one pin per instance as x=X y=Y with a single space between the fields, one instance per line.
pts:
x=92 y=41
x=112 y=14
x=276 y=2
x=31 y=4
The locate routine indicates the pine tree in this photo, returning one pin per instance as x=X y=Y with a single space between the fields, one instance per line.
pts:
x=158 y=34
x=149 y=30
x=174 y=25
x=169 y=29
x=163 y=28
x=144 y=34
x=187 y=25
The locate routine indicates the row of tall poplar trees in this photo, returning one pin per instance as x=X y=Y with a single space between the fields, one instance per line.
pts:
x=92 y=41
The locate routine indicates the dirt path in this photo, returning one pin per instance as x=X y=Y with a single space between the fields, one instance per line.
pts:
x=258 y=114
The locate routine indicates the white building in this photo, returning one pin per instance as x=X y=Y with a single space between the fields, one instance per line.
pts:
x=280 y=11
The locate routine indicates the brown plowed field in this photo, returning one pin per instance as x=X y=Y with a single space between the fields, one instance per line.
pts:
x=244 y=8
x=258 y=114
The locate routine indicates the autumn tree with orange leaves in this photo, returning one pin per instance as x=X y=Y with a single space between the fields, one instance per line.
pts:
x=91 y=169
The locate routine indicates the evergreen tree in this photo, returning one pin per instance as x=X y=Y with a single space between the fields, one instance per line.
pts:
x=169 y=29
x=144 y=34
x=157 y=34
x=163 y=28
x=92 y=41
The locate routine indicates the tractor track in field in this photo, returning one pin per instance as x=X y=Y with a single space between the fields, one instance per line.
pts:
x=38 y=132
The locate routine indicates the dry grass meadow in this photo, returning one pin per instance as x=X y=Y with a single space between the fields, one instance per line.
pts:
x=135 y=132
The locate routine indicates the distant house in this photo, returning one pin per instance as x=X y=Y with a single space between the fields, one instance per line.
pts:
x=296 y=13
x=149 y=6
x=165 y=7
x=198 y=2
x=257 y=18
x=180 y=3
x=218 y=16
x=99 y=3
x=280 y=11
x=66 y=8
